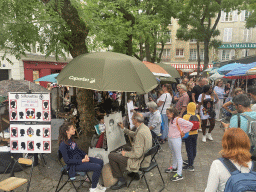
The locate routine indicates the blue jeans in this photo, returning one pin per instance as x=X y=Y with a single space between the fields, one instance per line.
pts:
x=165 y=131
x=94 y=165
x=190 y=144
x=175 y=146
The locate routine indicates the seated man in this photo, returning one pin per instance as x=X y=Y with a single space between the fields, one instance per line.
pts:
x=155 y=119
x=131 y=160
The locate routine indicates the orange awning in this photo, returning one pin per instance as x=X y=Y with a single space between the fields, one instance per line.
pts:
x=156 y=69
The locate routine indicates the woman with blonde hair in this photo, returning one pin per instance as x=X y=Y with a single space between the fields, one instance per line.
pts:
x=235 y=148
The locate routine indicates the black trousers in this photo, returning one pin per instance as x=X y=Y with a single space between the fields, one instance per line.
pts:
x=190 y=144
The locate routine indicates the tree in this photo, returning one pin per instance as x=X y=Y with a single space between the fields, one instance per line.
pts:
x=199 y=19
x=56 y=26
x=251 y=6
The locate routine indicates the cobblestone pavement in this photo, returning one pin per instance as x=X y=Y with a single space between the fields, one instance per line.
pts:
x=45 y=178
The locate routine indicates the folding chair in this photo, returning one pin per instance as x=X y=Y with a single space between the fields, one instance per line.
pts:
x=13 y=182
x=155 y=139
x=64 y=171
x=152 y=151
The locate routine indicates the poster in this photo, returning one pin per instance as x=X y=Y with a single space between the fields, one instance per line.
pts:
x=115 y=135
x=30 y=138
x=130 y=114
x=30 y=107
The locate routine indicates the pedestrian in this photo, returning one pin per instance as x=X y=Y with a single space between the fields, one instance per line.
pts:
x=252 y=93
x=183 y=101
x=191 y=141
x=164 y=102
x=190 y=88
x=177 y=127
x=131 y=160
x=206 y=104
x=219 y=90
x=235 y=148
x=76 y=159
x=185 y=81
x=198 y=89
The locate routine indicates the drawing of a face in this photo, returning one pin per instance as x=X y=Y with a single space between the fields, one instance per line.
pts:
x=46 y=115
x=22 y=132
x=14 y=132
x=30 y=145
x=14 y=115
x=23 y=145
x=30 y=132
x=30 y=113
x=45 y=104
x=46 y=146
x=21 y=115
x=38 y=115
x=13 y=104
x=38 y=132
x=38 y=145
x=14 y=145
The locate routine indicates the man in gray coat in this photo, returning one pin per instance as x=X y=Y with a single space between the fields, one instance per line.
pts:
x=131 y=160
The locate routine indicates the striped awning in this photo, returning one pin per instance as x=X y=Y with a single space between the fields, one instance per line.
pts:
x=189 y=66
x=156 y=69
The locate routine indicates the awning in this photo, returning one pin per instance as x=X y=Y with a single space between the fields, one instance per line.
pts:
x=156 y=69
x=189 y=67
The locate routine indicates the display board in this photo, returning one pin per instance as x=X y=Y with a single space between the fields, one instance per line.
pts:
x=30 y=138
x=30 y=122
x=115 y=135
x=30 y=107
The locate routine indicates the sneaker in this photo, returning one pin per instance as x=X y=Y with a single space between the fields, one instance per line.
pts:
x=200 y=130
x=170 y=170
x=185 y=162
x=96 y=190
x=101 y=187
x=189 y=168
x=204 y=138
x=209 y=136
x=176 y=177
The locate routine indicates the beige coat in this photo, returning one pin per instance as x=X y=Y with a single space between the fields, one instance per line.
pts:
x=142 y=142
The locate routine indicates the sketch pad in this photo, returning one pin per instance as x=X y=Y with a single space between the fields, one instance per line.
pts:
x=115 y=135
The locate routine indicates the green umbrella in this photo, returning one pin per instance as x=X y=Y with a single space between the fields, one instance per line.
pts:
x=170 y=69
x=167 y=80
x=108 y=71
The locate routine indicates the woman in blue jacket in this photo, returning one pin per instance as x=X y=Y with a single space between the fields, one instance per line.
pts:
x=76 y=159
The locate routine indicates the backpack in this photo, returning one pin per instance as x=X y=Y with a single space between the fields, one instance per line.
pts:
x=239 y=182
x=196 y=124
x=251 y=131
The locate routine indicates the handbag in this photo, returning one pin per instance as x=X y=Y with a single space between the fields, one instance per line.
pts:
x=182 y=134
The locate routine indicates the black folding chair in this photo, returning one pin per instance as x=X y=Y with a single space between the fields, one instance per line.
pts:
x=64 y=171
x=152 y=151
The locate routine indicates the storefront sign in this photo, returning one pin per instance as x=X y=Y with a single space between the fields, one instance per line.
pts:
x=238 y=46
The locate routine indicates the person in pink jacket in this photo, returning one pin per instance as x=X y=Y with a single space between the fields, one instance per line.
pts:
x=177 y=127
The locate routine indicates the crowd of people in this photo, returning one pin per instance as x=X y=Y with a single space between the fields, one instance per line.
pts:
x=177 y=114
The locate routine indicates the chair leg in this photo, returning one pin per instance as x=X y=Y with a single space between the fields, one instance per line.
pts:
x=89 y=178
x=59 y=183
x=161 y=178
x=131 y=181
x=73 y=185
x=145 y=181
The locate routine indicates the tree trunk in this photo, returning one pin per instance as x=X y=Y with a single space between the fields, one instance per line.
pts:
x=147 y=49
x=76 y=39
x=86 y=114
x=198 y=57
x=206 y=53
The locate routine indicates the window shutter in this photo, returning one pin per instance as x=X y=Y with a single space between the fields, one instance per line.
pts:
x=234 y=15
x=242 y=16
x=229 y=34
x=225 y=35
x=223 y=16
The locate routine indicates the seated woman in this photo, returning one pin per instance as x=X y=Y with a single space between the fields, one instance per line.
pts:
x=236 y=148
x=76 y=159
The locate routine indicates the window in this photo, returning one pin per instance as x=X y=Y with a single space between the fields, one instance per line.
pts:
x=247 y=35
x=166 y=55
x=201 y=54
x=168 y=36
x=180 y=52
x=228 y=16
x=225 y=55
x=164 y=36
x=193 y=54
x=244 y=15
x=227 y=37
x=247 y=14
x=245 y=52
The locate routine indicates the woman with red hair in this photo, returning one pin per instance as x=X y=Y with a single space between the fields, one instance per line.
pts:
x=236 y=148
